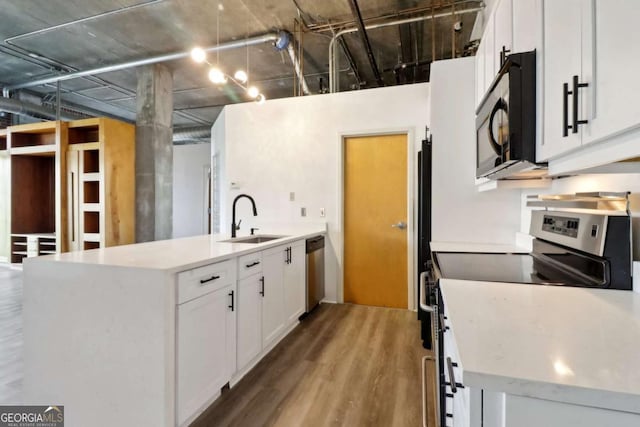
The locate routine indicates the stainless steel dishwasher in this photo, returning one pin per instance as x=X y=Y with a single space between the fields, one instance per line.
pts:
x=315 y=271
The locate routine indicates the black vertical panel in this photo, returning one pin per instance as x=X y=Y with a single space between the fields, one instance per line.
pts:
x=424 y=231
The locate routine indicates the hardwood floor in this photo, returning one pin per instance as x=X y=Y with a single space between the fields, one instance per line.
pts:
x=11 y=365
x=345 y=365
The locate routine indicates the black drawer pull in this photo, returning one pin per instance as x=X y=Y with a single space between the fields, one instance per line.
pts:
x=449 y=395
x=262 y=287
x=203 y=281
x=232 y=306
x=253 y=264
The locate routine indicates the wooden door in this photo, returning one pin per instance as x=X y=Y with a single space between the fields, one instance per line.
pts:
x=375 y=198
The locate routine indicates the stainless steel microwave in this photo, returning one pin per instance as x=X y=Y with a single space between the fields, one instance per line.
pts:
x=506 y=123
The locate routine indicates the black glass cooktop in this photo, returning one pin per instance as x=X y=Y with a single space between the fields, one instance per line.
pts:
x=501 y=267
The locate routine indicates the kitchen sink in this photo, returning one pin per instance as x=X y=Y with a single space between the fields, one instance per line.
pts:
x=253 y=239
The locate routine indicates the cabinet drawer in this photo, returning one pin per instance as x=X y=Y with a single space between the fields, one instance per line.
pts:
x=249 y=264
x=202 y=280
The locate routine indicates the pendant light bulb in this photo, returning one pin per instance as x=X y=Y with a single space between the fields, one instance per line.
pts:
x=253 y=92
x=217 y=76
x=198 y=55
x=241 y=76
x=260 y=98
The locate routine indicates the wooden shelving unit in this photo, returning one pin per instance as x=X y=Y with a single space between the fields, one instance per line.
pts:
x=72 y=186
x=101 y=179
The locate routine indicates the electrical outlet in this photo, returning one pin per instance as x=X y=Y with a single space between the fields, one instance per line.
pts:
x=292 y=196
x=234 y=185
x=303 y=211
x=322 y=212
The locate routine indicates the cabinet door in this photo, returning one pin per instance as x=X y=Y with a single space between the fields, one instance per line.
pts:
x=613 y=67
x=527 y=25
x=249 y=319
x=562 y=60
x=206 y=350
x=488 y=39
x=480 y=83
x=294 y=283
x=503 y=27
x=273 y=298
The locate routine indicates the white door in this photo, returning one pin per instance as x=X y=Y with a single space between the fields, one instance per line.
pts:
x=249 y=319
x=294 y=283
x=273 y=298
x=503 y=26
x=562 y=60
x=206 y=350
x=614 y=71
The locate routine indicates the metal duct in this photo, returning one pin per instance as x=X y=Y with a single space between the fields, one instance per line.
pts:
x=296 y=66
x=15 y=106
x=191 y=134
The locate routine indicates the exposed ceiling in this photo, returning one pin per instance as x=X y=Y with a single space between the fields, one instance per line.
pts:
x=43 y=38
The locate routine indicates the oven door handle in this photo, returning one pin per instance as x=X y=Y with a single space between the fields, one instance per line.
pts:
x=423 y=293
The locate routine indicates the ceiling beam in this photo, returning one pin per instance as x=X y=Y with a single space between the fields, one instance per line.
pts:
x=355 y=10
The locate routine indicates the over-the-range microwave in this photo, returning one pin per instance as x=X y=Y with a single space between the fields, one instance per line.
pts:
x=506 y=123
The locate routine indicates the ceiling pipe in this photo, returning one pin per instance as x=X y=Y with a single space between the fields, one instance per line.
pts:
x=250 y=41
x=333 y=77
x=355 y=11
x=22 y=108
x=191 y=134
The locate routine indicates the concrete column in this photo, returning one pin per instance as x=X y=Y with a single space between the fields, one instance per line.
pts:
x=154 y=153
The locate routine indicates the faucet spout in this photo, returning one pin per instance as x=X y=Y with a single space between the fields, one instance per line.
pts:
x=234 y=226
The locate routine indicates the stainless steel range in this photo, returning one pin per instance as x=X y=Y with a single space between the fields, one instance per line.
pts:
x=581 y=240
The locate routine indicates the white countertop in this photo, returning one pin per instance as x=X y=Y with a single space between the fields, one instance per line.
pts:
x=177 y=254
x=476 y=247
x=568 y=344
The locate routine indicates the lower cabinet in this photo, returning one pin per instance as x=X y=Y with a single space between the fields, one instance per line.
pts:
x=206 y=349
x=270 y=301
x=249 y=319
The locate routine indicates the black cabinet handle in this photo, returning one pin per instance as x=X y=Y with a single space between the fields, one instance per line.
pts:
x=288 y=252
x=503 y=55
x=262 y=281
x=565 y=110
x=443 y=327
x=253 y=264
x=576 y=98
x=203 y=281
x=232 y=306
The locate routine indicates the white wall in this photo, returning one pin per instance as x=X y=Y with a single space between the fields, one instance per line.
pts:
x=460 y=213
x=294 y=145
x=190 y=163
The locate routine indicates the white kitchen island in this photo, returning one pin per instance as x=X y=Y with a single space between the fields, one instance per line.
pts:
x=531 y=355
x=147 y=334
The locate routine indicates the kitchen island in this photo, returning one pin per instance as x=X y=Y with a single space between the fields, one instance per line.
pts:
x=531 y=355
x=148 y=334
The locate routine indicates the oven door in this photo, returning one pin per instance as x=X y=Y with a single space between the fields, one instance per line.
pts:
x=492 y=130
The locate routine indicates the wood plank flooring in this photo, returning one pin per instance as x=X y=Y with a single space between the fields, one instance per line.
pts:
x=11 y=365
x=345 y=365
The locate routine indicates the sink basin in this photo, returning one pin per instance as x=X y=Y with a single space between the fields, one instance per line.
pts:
x=253 y=239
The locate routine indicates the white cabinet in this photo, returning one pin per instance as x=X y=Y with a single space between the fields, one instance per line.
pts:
x=273 y=294
x=503 y=29
x=562 y=56
x=206 y=349
x=294 y=282
x=249 y=319
x=488 y=39
x=611 y=65
x=588 y=74
x=480 y=85
x=270 y=300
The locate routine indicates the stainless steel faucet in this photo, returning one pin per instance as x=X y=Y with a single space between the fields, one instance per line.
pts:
x=234 y=226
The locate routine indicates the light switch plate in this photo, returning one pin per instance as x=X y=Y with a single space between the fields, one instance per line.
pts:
x=322 y=212
x=292 y=196
x=303 y=211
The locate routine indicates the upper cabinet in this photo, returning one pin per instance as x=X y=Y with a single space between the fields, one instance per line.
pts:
x=503 y=33
x=589 y=78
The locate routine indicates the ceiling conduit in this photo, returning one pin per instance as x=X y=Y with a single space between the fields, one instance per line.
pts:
x=275 y=37
x=22 y=108
x=333 y=75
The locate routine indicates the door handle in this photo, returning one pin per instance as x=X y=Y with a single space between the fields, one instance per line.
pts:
x=576 y=97
x=565 y=109
x=401 y=225
x=262 y=286
x=232 y=306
